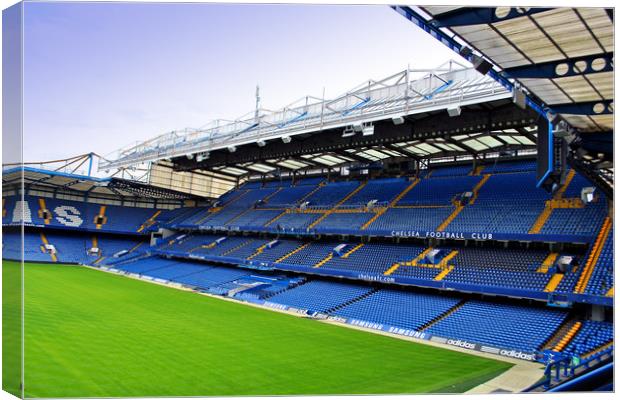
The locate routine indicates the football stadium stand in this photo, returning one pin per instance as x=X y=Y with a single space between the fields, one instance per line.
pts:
x=370 y=210
x=291 y=266
x=396 y=241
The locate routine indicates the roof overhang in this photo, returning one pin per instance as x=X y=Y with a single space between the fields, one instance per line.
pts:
x=58 y=181
x=397 y=96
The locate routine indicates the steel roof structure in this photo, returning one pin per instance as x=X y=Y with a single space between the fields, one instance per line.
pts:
x=82 y=185
x=561 y=59
x=399 y=95
x=563 y=56
x=559 y=62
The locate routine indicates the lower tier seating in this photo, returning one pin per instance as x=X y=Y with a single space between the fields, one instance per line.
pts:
x=70 y=247
x=602 y=279
x=320 y=296
x=398 y=308
x=482 y=267
x=508 y=326
x=591 y=336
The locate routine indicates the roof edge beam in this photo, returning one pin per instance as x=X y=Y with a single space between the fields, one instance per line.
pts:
x=551 y=69
x=598 y=107
x=481 y=15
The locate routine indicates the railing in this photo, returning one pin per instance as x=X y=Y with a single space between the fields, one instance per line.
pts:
x=562 y=370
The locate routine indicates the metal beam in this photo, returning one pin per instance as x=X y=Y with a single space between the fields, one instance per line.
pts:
x=527 y=134
x=600 y=107
x=276 y=166
x=563 y=68
x=432 y=126
x=481 y=15
x=462 y=145
x=354 y=156
x=457 y=47
x=74 y=182
x=309 y=162
x=216 y=172
x=406 y=152
x=224 y=178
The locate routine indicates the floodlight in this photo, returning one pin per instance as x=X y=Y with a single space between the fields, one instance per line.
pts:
x=398 y=120
x=454 y=111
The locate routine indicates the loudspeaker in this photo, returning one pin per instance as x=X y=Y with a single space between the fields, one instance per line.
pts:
x=481 y=65
x=518 y=98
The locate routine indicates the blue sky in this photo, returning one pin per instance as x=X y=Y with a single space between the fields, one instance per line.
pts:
x=99 y=76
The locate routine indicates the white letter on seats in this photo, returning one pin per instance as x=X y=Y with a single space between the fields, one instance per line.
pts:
x=68 y=216
x=22 y=210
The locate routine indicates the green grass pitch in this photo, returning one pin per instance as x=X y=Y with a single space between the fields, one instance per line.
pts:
x=90 y=333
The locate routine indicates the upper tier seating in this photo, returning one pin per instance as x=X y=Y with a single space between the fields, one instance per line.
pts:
x=505 y=200
x=289 y=196
x=506 y=203
x=511 y=187
x=576 y=221
x=338 y=221
x=497 y=218
x=405 y=219
x=576 y=184
x=439 y=191
x=312 y=181
x=508 y=326
x=232 y=205
x=278 y=183
x=381 y=190
x=251 y=185
x=331 y=193
x=294 y=221
x=81 y=215
x=246 y=248
x=511 y=166
x=460 y=170
x=191 y=242
x=253 y=219
x=225 y=247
